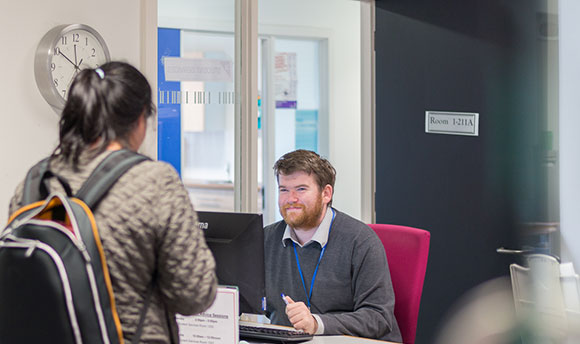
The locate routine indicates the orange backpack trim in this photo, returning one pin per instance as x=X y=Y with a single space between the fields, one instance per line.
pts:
x=105 y=268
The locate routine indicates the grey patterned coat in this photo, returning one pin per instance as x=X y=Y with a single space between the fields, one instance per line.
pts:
x=147 y=223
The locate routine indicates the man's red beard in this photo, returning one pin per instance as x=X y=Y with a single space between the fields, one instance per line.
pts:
x=307 y=218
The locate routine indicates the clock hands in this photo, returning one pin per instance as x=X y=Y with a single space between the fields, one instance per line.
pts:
x=75 y=64
x=69 y=60
x=77 y=68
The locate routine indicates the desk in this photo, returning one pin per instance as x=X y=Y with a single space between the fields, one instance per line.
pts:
x=344 y=340
x=335 y=340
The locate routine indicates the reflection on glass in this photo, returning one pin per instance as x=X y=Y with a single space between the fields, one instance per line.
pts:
x=196 y=113
x=208 y=112
x=295 y=82
x=208 y=119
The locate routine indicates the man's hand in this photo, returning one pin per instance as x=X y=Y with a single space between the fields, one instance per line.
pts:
x=300 y=316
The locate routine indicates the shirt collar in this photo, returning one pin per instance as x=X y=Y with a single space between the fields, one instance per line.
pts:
x=320 y=236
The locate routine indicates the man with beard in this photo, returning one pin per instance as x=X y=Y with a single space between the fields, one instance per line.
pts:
x=326 y=272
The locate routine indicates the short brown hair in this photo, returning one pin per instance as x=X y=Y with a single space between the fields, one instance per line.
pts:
x=302 y=160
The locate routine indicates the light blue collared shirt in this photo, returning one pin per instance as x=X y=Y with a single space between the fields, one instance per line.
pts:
x=321 y=237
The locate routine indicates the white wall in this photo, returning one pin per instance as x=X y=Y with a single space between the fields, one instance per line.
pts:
x=569 y=12
x=29 y=129
x=337 y=19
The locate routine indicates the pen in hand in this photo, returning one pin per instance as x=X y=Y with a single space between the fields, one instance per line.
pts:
x=284 y=299
x=299 y=315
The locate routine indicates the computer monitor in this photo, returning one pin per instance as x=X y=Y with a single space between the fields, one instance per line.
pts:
x=237 y=243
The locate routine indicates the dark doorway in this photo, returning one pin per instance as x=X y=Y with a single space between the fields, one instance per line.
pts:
x=471 y=192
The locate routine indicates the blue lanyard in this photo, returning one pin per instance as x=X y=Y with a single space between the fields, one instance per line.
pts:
x=309 y=295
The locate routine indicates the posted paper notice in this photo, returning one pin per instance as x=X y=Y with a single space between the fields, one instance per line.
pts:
x=217 y=325
x=285 y=80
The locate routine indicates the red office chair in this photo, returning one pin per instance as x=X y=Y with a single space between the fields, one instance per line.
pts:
x=407 y=251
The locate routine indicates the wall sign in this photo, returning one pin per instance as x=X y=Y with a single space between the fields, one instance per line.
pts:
x=452 y=123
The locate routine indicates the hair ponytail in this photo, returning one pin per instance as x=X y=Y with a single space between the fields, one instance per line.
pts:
x=103 y=105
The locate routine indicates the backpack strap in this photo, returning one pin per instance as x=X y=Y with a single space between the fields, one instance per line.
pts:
x=36 y=183
x=141 y=323
x=96 y=187
x=106 y=174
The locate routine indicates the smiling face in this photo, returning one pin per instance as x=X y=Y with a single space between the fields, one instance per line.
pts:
x=301 y=201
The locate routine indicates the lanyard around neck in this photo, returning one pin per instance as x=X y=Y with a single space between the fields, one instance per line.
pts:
x=309 y=295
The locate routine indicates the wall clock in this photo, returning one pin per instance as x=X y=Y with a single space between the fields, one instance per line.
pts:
x=61 y=54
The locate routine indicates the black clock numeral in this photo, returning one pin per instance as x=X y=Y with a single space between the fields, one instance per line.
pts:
x=75 y=37
x=93 y=52
x=56 y=51
x=63 y=40
x=56 y=82
x=64 y=93
x=86 y=41
x=52 y=67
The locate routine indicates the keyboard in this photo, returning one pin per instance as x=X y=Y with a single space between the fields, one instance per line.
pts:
x=272 y=333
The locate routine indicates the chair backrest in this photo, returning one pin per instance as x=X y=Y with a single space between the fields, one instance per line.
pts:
x=537 y=291
x=407 y=250
x=570 y=287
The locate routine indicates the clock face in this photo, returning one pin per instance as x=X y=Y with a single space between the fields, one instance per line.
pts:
x=61 y=54
x=74 y=50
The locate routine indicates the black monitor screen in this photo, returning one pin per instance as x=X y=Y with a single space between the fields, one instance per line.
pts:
x=237 y=243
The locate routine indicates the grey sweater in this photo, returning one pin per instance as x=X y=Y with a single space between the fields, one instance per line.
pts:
x=352 y=292
x=147 y=223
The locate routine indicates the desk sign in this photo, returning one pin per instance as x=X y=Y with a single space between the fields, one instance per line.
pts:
x=452 y=123
x=217 y=325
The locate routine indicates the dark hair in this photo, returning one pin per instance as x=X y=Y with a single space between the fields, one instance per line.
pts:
x=103 y=105
x=302 y=160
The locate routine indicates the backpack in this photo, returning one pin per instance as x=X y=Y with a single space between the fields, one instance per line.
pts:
x=54 y=282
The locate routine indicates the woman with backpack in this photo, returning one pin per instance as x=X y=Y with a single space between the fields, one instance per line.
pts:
x=155 y=253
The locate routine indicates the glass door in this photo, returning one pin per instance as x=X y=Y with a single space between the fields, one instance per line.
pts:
x=197 y=98
x=196 y=116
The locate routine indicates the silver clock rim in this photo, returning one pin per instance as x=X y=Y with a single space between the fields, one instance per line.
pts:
x=43 y=59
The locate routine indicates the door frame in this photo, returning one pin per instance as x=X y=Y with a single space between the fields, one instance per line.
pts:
x=368 y=107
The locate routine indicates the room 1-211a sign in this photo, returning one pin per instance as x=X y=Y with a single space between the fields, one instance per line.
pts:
x=452 y=123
